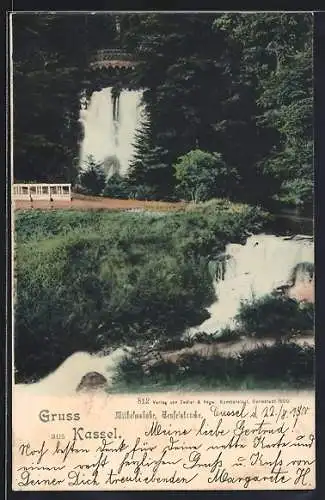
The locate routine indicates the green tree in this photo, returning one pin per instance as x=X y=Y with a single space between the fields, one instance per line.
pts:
x=92 y=178
x=207 y=79
x=201 y=175
x=288 y=108
x=149 y=167
x=275 y=63
x=117 y=187
x=180 y=69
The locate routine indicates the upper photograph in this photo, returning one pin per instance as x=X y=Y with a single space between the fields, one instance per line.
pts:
x=162 y=202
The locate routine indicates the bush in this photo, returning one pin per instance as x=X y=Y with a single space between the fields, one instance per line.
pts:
x=129 y=371
x=283 y=361
x=218 y=368
x=83 y=292
x=117 y=187
x=143 y=192
x=92 y=180
x=87 y=280
x=229 y=335
x=201 y=175
x=275 y=316
x=284 y=364
x=297 y=192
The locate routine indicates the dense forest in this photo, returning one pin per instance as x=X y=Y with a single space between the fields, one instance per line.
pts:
x=227 y=130
x=228 y=100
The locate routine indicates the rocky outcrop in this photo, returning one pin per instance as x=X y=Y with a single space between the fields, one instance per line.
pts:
x=92 y=381
x=303 y=291
x=301 y=285
x=80 y=372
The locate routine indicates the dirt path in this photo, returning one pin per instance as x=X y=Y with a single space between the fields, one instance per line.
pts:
x=94 y=203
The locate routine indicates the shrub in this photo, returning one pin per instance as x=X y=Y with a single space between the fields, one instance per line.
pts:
x=283 y=361
x=117 y=187
x=284 y=364
x=143 y=192
x=201 y=175
x=275 y=316
x=86 y=291
x=219 y=368
x=297 y=192
x=229 y=335
x=87 y=280
x=92 y=179
x=130 y=371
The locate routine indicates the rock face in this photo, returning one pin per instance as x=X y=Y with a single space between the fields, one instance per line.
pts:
x=303 y=291
x=92 y=381
x=302 y=283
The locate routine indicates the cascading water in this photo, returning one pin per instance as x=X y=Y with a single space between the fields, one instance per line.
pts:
x=253 y=270
x=110 y=124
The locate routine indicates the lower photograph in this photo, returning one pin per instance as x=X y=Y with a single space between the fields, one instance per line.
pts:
x=163 y=280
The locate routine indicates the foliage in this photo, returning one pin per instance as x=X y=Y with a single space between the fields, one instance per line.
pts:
x=117 y=187
x=285 y=360
x=149 y=169
x=285 y=364
x=276 y=60
x=297 y=192
x=91 y=279
x=170 y=344
x=180 y=63
x=243 y=82
x=143 y=192
x=201 y=175
x=239 y=84
x=275 y=316
x=92 y=178
x=229 y=335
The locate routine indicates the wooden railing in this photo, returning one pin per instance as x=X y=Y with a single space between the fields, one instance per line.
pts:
x=42 y=191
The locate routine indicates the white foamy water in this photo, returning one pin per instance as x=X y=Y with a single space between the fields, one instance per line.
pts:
x=110 y=126
x=66 y=378
x=252 y=271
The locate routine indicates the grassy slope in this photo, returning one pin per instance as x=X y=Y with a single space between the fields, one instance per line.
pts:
x=91 y=279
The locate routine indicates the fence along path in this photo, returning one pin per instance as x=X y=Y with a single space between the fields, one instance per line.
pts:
x=49 y=192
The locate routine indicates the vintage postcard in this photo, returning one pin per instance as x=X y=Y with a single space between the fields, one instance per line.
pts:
x=163 y=251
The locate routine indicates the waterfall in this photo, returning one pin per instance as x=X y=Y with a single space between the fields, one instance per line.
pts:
x=250 y=271
x=130 y=115
x=110 y=124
